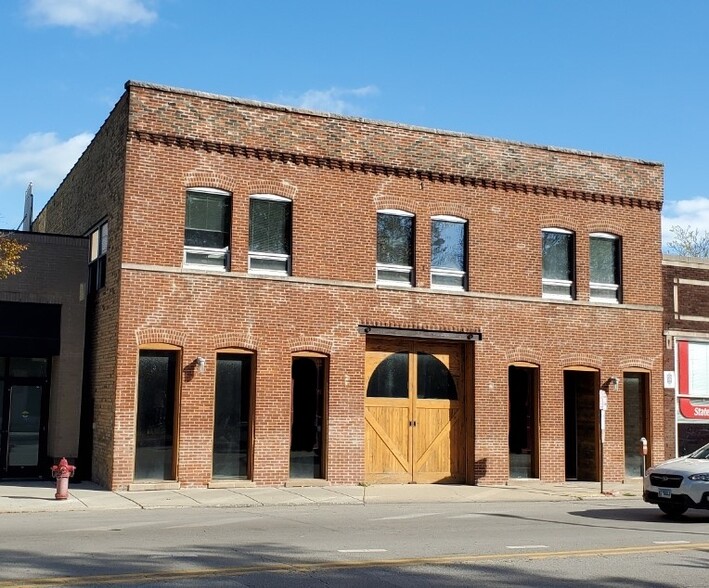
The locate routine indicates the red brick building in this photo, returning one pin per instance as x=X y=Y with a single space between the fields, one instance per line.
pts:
x=686 y=378
x=282 y=296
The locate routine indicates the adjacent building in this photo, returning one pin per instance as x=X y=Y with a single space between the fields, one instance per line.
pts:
x=686 y=331
x=279 y=296
x=42 y=317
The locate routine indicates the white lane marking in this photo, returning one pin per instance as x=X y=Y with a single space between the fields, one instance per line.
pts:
x=670 y=542
x=361 y=550
x=410 y=516
x=527 y=546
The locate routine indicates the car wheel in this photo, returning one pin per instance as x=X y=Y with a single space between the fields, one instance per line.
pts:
x=673 y=510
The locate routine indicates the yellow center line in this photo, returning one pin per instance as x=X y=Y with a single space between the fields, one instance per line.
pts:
x=315 y=566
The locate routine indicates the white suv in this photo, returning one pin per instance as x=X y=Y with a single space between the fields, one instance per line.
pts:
x=680 y=483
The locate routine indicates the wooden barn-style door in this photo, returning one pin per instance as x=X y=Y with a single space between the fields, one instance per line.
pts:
x=414 y=412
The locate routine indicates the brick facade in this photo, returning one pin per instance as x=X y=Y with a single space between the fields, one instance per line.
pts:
x=338 y=172
x=686 y=302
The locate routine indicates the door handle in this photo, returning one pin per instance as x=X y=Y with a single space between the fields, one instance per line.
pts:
x=412 y=423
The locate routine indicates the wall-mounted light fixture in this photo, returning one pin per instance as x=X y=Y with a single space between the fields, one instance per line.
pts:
x=201 y=364
x=613 y=382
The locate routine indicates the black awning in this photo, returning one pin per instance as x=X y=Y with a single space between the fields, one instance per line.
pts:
x=420 y=333
x=28 y=329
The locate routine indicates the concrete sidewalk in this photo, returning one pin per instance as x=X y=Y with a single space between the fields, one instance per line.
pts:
x=20 y=497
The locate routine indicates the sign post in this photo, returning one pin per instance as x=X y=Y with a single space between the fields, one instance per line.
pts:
x=602 y=405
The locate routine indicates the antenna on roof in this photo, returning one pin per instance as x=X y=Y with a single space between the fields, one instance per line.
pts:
x=26 y=223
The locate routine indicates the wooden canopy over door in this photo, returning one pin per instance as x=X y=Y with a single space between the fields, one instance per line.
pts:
x=414 y=411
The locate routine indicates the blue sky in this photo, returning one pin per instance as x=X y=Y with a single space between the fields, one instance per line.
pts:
x=623 y=77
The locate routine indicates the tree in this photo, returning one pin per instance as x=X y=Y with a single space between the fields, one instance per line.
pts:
x=689 y=242
x=10 y=250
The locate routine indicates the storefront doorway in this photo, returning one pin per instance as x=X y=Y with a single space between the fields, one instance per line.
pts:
x=309 y=375
x=414 y=412
x=24 y=401
x=523 y=421
x=581 y=425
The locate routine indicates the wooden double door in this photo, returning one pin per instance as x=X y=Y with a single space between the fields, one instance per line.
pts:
x=414 y=412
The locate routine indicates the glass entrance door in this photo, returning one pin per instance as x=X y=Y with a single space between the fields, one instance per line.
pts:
x=24 y=426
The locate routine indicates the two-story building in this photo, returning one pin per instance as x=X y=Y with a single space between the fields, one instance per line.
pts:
x=280 y=296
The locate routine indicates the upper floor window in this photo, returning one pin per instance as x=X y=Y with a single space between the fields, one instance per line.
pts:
x=270 y=234
x=98 y=247
x=395 y=247
x=558 y=264
x=605 y=267
x=207 y=224
x=448 y=252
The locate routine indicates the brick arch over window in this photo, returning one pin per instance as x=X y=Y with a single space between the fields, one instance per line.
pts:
x=275 y=187
x=452 y=210
x=392 y=202
x=524 y=354
x=160 y=335
x=631 y=363
x=209 y=179
x=240 y=340
x=611 y=227
x=584 y=359
x=318 y=344
x=559 y=222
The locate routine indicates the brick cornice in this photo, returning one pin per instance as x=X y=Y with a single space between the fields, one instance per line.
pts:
x=334 y=163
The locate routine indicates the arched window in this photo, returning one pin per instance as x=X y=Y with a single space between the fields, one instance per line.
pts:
x=270 y=234
x=558 y=267
x=395 y=247
x=448 y=252
x=605 y=267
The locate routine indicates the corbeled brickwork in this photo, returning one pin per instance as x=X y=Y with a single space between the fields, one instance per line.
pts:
x=338 y=172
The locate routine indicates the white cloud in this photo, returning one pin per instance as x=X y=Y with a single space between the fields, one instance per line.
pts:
x=337 y=100
x=693 y=212
x=90 y=15
x=41 y=158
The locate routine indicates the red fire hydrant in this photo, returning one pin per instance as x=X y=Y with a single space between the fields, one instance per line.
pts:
x=62 y=472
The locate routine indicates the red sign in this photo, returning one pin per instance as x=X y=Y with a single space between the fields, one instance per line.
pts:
x=690 y=407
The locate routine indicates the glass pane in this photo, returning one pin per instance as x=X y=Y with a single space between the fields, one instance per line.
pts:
x=232 y=405
x=390 y=378
x=604 y=294
x=394 y=275
x=156 y=407
x=268 y=265
x=561 y=290
x=210 y=258
x=604 y=260
x=103 y=239
x=207 y=220
x=556 y=256
x=269 y=226
x=634 y=417
x=448 y=281
x=448 y=245
x=23 y=425
x=433 y=378
x=395 y=239
x=26 y=367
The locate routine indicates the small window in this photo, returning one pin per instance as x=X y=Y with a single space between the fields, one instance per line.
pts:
x=98 y=247
x=605 y=267
x=395 y=252
x=207 y=223
x=448 y=252
x=270 y=234
x=558 y=264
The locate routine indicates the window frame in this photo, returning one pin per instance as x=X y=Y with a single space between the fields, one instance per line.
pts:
x=285 y=258
x=447 y=272
x=604 y=286
x=381 y=267
x=222 y=253
x=555 y=282
x=98 y=253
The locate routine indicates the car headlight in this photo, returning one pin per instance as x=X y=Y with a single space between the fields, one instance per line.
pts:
x=699 y=477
